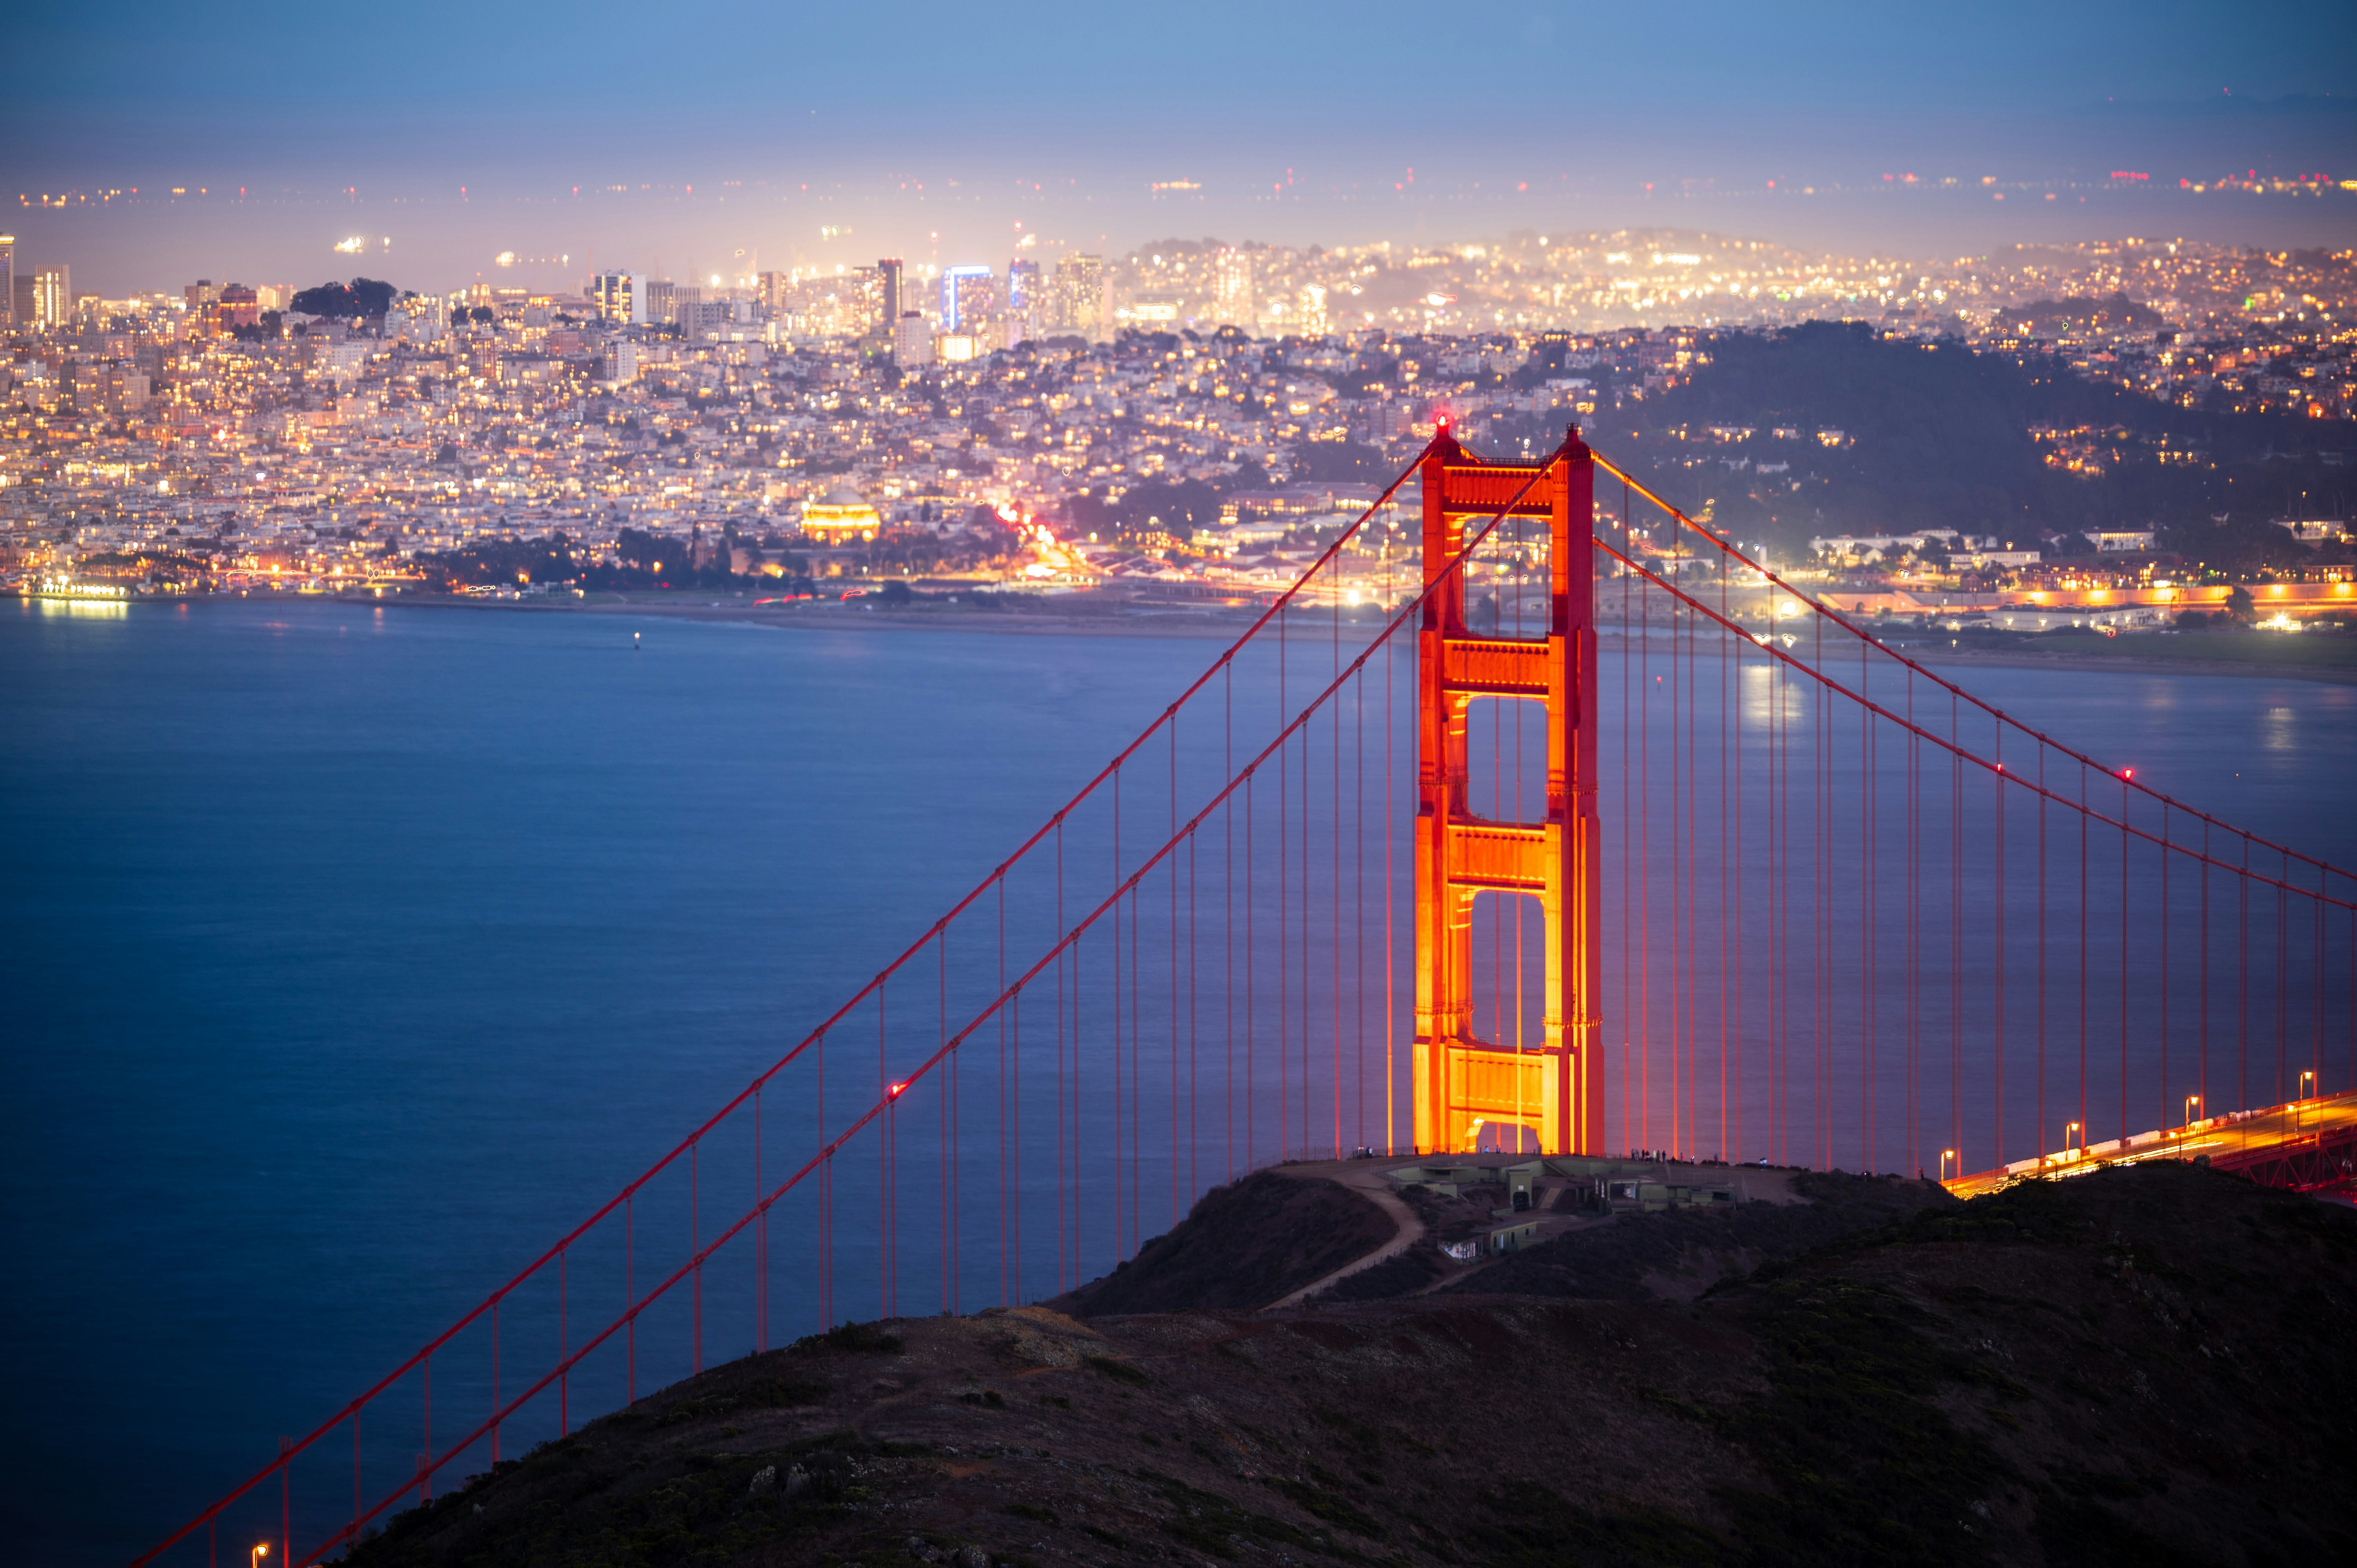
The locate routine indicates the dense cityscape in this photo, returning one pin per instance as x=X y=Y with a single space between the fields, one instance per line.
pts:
x=1186 y=418
x=1230 y=787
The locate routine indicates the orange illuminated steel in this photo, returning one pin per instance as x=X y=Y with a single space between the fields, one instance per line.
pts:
x=1461 y=1080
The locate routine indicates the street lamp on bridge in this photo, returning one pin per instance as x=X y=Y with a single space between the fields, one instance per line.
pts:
x=2070 y=1132
x=1945 y=1156
x=2190 y=1101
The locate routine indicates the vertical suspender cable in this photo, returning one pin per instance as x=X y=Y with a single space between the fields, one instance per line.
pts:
x=2242 y=980
x=1726 y=909
x=2086 y=1134
x=1391 y=1002
x=1914 y=923
x=1870 y=980
x=1996 y=799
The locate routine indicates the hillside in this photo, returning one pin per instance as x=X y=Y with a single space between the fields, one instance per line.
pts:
x=2145 y=1366
x=1937 y=436
x=1242 y=1246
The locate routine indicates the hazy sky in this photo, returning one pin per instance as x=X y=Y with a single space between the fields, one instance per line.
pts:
x=1296 y=124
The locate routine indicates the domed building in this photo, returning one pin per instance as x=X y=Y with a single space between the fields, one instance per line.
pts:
x=840 y=516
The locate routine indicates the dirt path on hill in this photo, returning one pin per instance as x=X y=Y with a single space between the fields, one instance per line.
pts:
x=1370 y=1182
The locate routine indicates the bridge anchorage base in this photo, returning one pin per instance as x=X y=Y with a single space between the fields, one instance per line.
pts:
x=1492 y=1088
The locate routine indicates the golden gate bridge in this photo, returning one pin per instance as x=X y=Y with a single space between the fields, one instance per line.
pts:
x=1413 y=868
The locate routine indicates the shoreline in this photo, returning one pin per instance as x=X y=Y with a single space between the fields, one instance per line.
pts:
x=1132 y=618
x=2133 y=664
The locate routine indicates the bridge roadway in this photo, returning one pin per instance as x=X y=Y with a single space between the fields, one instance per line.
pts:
x=2309 y=1144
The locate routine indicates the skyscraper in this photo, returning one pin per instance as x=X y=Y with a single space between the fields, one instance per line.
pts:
x=7 y=280
x=873 y=288
x=1232 y=287
x=969 y=300
x=1027 y=303
x=912 y=341
x=1078 y=306
x=1312 y=318
x=893 y=307
x=618 y=299
x=53 y=297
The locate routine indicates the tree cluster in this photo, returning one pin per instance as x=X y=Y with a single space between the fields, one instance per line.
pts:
x=343 y=302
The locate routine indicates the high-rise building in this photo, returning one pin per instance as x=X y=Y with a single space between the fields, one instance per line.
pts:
x=1312 y=318
x=236 y=306
x=872 y=290
x=969 y=300
x=894 y=304
x=7 y=280
x=661 y=305
x=618 y=298
x=1077 y=298
x=912 y=341
x=53 y=300
x=699 y=317
x=1232 y=287
x=1026 y=303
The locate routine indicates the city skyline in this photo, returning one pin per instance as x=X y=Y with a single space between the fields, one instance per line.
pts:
x=814 y=139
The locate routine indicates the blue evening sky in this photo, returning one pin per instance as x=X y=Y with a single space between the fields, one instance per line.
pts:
x=1294 y=124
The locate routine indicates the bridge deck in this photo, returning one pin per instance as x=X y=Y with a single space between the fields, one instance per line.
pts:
x=2304 y=1144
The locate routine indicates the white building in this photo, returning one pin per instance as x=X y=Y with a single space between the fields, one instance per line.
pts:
x=912 y=341
x=618 y=298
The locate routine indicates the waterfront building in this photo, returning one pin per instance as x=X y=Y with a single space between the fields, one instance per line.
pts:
x=839 y=516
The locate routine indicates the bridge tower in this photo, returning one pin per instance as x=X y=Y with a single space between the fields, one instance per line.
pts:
x=1557 y=1086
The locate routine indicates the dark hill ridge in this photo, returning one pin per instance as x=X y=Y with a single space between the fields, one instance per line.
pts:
x=1683 y=1251
x=2145 y=1366
x=1242 y=1246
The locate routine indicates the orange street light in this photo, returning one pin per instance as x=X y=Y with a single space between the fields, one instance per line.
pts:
x=1945 y=1156
x=260 y=1552
x=2190 y=1101
x=2068 y=1132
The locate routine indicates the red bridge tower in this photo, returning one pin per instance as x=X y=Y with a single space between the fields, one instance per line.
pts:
x=1557 y=1088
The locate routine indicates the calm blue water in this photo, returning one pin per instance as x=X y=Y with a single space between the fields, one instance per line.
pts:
x=349 y=954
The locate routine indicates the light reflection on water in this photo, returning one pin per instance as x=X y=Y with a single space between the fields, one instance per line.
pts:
x=341 y=969
x=81 y=610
